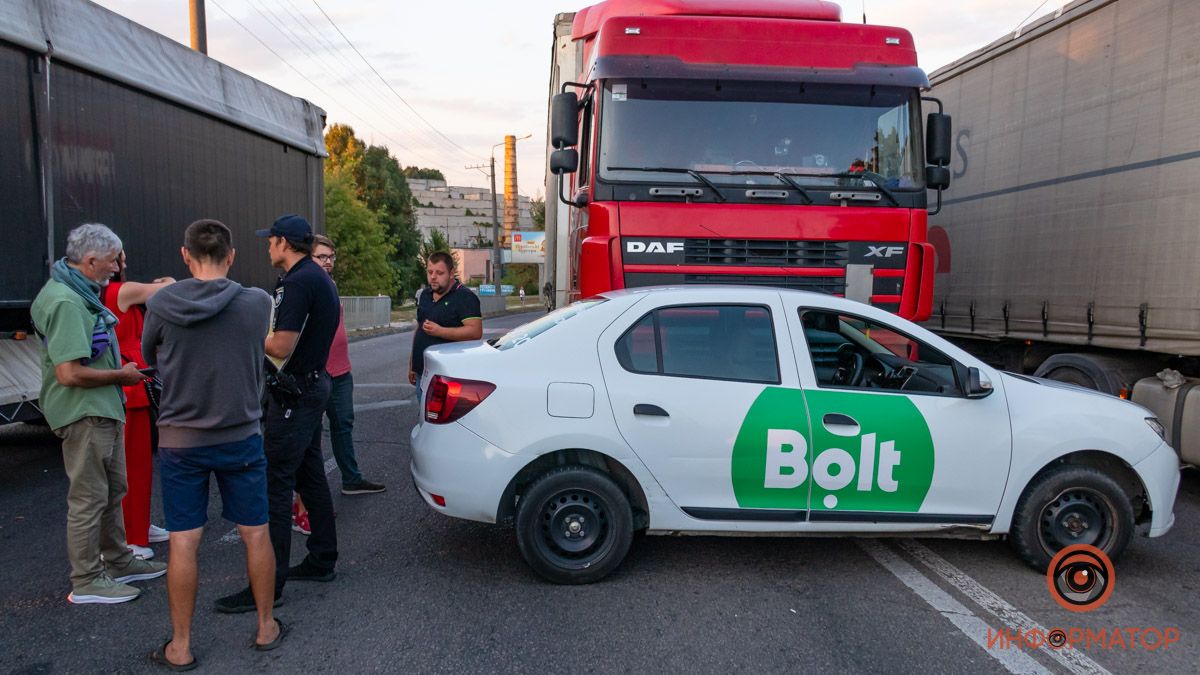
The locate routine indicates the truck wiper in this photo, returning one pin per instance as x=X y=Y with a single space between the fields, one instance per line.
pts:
x=875 y=179
x=691 y=172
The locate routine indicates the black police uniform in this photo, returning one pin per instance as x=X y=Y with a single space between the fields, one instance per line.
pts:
x=306 y=302
x=449 y=311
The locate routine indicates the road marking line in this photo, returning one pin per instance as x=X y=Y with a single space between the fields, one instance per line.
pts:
x=1014 y=660
x=382 y=405
x=1073 y=660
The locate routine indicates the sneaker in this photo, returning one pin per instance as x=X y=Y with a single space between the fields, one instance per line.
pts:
x=143 y=552
x=138 y=569
x=243 y=601
x=365 y=487
x=158 y=535
x=300 y=523
x=104 y=591
x=307 y=571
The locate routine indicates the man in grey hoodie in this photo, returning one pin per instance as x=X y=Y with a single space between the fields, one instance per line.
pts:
x=206 y=338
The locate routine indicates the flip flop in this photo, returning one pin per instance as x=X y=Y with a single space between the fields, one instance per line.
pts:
x=273 y=644
x=159 y=657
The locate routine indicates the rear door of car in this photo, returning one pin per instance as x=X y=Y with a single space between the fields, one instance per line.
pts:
x=683 y=372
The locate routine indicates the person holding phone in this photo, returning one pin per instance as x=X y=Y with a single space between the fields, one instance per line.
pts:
x=126 y=300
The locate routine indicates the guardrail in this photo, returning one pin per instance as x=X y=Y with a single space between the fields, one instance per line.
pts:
x=366 y=311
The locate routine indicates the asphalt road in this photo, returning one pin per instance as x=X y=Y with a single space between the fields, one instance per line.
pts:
x=417 y=591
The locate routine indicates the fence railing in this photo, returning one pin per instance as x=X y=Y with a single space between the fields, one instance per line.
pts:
x=367 y=311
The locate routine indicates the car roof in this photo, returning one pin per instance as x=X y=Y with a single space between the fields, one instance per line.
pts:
x=729 y=292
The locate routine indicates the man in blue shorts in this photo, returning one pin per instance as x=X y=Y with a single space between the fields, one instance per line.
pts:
x=206 y=338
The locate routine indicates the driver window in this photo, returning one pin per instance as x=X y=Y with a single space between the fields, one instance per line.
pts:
x=850 y=352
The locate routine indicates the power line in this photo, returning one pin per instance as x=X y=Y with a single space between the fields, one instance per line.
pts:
x=350 y=69
x=302 y=75
x=389 y=86
x=277 y=23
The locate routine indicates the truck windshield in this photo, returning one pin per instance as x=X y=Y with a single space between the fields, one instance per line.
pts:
x=818 y=134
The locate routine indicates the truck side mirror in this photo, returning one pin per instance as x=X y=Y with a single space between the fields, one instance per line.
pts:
x=564 y=121
x=564 y=161
x=937 y=139
x=937 y=177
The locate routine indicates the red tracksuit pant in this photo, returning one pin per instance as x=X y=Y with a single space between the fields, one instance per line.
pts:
x=140 y=472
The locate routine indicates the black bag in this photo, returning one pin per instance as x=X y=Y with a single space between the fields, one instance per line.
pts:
x=282 y=385
x=153 y=393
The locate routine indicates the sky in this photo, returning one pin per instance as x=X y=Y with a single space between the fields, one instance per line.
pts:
x=448 y=79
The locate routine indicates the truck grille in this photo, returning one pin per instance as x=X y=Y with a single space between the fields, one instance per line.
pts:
x=765 y=253
x=828 y=285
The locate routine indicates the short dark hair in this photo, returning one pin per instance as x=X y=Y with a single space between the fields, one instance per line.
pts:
x=322 y=240
x=442 y=257
x=303 y=246
x=208 y=240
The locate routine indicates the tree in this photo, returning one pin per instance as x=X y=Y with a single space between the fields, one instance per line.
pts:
x=537 y=209
x=345 y=151
x=384 y=189
x=362 y=241
x=418 y=172
x=433 y=242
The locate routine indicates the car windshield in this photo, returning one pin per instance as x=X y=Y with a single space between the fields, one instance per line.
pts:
x=526 y=332
x=819 y=135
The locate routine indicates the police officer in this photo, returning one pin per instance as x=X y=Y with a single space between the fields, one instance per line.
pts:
x=304 y=320
x=446 y=312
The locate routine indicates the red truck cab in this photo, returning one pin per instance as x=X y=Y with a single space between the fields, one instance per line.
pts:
x=760 y=142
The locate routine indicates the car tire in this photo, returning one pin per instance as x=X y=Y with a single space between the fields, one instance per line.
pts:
x=1070 y=505
x=574 y=525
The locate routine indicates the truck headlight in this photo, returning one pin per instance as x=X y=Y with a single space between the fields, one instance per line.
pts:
x=1157 y=427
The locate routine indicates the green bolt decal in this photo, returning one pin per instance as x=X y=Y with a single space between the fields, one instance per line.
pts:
x=885 y=465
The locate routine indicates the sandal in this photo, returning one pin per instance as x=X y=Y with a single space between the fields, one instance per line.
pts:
x=273 y=644
x=159 y=657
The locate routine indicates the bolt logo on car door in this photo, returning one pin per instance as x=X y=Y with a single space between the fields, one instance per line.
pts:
x=885 y=464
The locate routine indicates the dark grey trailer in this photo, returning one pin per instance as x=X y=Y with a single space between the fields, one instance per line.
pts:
x=1069 y=243
x=107 y=121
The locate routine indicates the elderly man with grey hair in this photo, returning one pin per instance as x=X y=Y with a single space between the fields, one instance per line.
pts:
x=81 y=398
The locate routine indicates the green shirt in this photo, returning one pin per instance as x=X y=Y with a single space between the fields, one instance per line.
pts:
x=63 y=318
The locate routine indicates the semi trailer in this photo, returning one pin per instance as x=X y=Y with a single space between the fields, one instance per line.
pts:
x=1069 y=245
x=107 y=121
x=761 y=142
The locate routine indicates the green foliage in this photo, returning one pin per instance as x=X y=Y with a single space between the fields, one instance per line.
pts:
x=362 y=240
x=433 y=242
x=345 y=151
x=522 y=275
x=537 y=209
x=418 y=172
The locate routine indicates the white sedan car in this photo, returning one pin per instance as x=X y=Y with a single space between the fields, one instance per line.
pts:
x=734 y=410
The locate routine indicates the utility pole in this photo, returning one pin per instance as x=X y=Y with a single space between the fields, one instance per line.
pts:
x=497 y=261
x=199 y=26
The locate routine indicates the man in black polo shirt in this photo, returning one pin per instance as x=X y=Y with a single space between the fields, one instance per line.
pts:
x=304 y=320
x=446 y=312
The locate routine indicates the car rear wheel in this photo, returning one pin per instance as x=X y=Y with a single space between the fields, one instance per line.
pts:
x=1070 y=505
x=574 y=525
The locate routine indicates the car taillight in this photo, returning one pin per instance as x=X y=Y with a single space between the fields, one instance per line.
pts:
x=450 y=398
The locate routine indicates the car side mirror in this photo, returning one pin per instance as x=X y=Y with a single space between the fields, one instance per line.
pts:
x=564 y=120
x=974 y=384
x=564 y=161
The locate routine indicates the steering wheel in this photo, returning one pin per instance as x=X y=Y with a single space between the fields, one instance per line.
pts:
x=851 y=366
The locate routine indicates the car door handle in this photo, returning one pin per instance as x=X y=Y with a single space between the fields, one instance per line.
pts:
x=649 y=409
x=840 y=425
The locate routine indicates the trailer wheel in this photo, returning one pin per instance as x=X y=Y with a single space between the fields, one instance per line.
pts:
x=1069 y=505
x=1072 y=375
x=574 y=525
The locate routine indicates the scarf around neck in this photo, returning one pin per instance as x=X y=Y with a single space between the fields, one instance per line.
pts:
x=90 y=292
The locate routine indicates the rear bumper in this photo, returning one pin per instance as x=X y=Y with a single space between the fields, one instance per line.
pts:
x=1160 y=474
x=468 y=472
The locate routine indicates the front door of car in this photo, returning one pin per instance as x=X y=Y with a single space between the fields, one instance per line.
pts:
x=894 y=439
x=682 y=379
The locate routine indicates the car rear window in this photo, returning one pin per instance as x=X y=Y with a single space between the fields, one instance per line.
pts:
x=720 y=342
x=526 y=332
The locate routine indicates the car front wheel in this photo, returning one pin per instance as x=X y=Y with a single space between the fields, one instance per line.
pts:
x=574 y=525
x=1071 y=505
